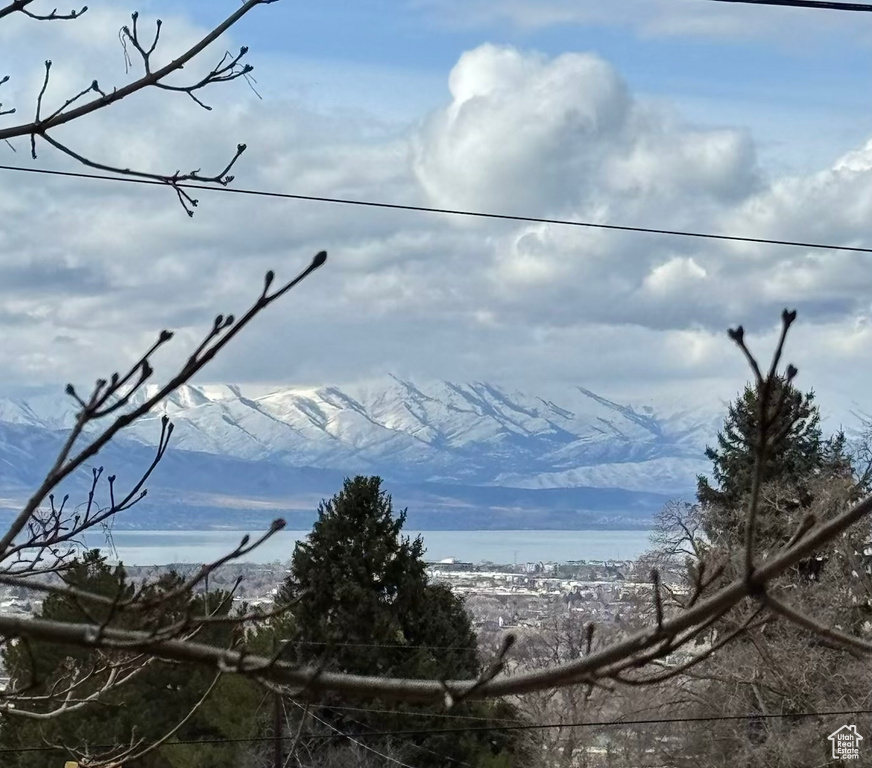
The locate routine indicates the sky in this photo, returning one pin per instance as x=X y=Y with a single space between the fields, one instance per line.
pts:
x=675 y=114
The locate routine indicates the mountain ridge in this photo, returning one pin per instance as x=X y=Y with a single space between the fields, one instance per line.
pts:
x=415 y=433
x=439 y=431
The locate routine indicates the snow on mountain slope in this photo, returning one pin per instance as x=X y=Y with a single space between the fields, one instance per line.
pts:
x=426 y=431
x=654 y=476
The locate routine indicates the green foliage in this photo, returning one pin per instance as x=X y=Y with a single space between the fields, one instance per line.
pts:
x=794 y=463
x=149 y=706
x=778 y=667
x=362 y=604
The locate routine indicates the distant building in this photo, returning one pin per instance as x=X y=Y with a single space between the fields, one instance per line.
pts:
x=489 y=625
x=449 y=564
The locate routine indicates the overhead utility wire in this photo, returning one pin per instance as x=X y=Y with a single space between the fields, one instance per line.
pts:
x=353 y=740
x=327 y=645
x=419 y=747
x=448 y=211
x=604 y=723
x=827 y=5
x=413 y=713
x=484 y=728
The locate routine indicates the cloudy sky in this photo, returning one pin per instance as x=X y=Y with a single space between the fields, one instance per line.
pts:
x=678 y=114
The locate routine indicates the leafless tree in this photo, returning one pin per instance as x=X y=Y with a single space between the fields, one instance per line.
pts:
x=139 y=44
x=752 y=663
x=42 y=541
x=621 y=660
x=778 y=671
x=42 y=538
x=678 y=533
x=560 y=640
x=861 y=450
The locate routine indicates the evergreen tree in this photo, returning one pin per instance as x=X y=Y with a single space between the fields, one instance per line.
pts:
x=794 y=462
x=362 y=604
x=777 y=666
x=150 y=705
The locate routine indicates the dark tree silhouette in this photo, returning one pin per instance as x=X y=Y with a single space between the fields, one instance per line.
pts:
x=796 y=458
x=361 y=603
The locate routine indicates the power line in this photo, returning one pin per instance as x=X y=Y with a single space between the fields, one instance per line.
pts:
x=487 y=728
x=419 y=747
x=827 y=5
x=328 y=645
x=448 y=211
x=410 y=713
x=609 y=723
x=353 y=740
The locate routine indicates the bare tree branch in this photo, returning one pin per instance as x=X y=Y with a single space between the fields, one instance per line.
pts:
x=672 y=627
x=319 y=681
x=108 y=397
x=227 y=69
x=21 y=6
x=838 y=637
x=766 y=418
x=140 y=749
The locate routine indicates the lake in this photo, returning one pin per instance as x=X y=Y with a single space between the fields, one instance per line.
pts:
x=162 y=547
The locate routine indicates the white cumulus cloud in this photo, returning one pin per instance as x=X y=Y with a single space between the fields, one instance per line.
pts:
x=90 y=272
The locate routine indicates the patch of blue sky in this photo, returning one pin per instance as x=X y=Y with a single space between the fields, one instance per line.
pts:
x=803 y=95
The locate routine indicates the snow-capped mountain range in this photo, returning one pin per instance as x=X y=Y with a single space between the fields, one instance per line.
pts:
x=434 y=434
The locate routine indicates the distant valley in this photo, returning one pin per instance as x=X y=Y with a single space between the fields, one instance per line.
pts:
x=459 y=456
